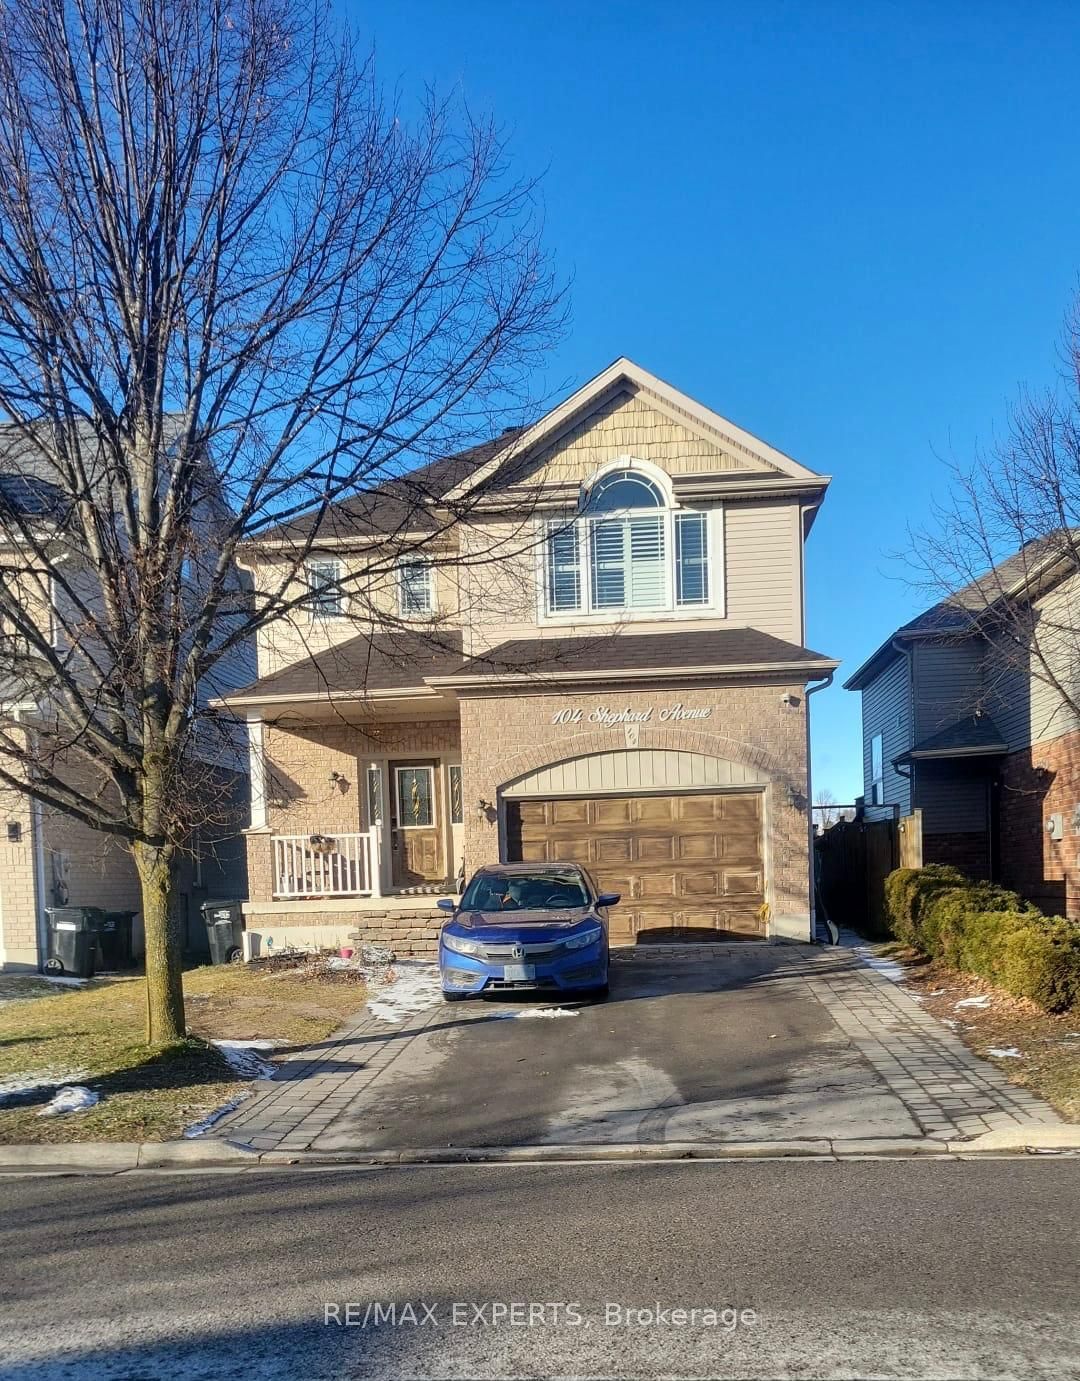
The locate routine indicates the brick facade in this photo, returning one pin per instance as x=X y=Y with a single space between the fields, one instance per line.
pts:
x=501 y=738
x=1038 y=782
x=505 y=737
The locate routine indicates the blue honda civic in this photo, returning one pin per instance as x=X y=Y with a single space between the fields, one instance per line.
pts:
x=526 y=925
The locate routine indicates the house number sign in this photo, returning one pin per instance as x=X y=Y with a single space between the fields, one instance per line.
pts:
x=610 y=719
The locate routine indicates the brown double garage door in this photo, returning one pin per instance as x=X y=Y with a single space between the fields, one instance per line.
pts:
x=688 y=866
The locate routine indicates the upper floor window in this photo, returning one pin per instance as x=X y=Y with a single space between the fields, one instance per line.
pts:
x=324 y=581
x=629 y=551
x=877 y=771
x=416 y=593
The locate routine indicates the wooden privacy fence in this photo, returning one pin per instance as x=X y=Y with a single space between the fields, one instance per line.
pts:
x=853 y=859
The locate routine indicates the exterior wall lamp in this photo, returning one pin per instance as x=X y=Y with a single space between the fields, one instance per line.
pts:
x=485 y=810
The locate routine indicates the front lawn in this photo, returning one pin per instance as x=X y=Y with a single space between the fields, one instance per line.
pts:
x=94 y=1036
x=1048 y=1046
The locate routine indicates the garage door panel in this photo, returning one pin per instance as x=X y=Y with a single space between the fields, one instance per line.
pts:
x=746 y=810
x=568 y=812
x=741 y=883
x=696 y=808
x=610 y=812
x=655 y=848
x=613 y=849
x=698 y=884
x=652 y=810
x=686 y=865
x=693 y=847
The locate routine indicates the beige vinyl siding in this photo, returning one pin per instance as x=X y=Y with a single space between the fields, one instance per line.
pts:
x=297 y=636
x=642 y=769
x=886 y=710
x=1020 y=692
x=763 y=577
x=626 y=425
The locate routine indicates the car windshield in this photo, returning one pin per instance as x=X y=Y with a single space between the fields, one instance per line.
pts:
x=524 y=892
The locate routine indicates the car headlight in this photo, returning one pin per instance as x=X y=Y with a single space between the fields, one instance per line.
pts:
x=460 y=945
x=587 y=937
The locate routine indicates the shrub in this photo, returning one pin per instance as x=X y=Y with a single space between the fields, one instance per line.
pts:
x=943 y=922
x=1041 y=961
x=989 y=931
x=907 y=892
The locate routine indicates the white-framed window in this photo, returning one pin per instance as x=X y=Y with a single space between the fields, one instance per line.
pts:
x=457 y=804
x=629 y=551
x=416 y=586
x=877 y=771
x=324 y=581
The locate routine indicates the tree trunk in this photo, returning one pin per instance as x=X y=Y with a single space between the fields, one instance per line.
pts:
x=164 y=988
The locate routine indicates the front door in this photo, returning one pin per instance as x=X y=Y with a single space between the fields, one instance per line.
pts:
x=414 y=825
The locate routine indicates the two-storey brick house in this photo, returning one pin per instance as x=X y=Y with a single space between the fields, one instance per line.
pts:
x=600 y=658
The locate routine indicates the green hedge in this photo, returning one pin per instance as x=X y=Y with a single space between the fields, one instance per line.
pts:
x=986 y=930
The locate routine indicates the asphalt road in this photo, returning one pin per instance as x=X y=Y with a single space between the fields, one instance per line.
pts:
x=891 y=1269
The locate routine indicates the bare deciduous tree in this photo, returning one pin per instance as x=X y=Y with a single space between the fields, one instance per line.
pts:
x=236 y=286
x=1003 y=546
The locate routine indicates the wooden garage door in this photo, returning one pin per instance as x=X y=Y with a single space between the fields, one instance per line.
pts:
x=688 y=866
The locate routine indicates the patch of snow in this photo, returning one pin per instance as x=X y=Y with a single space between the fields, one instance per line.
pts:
x=201 y=1127
x=42 y=1081
x=243 y=1057
x=547 y=1012
x=915 y=997
x=888 y=968
x=414 y=988
x=72 y=1098
x=938 y=992
x=982 y=1002
x=948 y=1021
x=1009 y=1052
x=63 y=982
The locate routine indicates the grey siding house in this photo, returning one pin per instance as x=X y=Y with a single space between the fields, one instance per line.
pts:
x=972 y=730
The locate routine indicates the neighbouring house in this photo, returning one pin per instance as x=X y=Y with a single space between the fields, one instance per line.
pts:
x=47 y=857
x=968 y=735
x=586 y=642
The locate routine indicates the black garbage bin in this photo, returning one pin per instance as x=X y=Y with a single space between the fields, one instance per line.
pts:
x=114 y=939
x=224 y=929
x=72 y=940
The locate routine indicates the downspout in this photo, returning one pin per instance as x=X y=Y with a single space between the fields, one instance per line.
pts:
x=834 y=936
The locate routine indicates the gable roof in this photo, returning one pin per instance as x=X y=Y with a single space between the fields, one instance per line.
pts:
x=411 y=502
x=965 y=612
x=621 y=373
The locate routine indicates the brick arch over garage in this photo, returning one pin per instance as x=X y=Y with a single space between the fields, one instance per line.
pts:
x=686 y=740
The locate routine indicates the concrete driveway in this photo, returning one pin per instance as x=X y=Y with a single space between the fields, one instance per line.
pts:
x=704 y=1044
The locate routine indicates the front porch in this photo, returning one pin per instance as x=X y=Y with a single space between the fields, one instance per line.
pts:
x=357 y=826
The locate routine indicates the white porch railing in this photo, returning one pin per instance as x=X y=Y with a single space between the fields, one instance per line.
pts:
x=314 y=865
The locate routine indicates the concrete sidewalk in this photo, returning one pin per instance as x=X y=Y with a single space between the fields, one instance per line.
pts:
x=706 y=1046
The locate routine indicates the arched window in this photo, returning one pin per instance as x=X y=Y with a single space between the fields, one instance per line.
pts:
x=622 y=489
x=628 y=551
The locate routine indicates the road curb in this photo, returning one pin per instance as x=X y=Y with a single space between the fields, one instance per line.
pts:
x=119 y=1157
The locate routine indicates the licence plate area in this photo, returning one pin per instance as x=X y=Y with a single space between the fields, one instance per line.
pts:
x=519 y=973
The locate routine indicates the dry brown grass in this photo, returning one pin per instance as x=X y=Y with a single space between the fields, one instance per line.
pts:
x=148 y=1094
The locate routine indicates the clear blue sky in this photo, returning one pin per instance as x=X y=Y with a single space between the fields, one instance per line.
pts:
x=853 y=228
